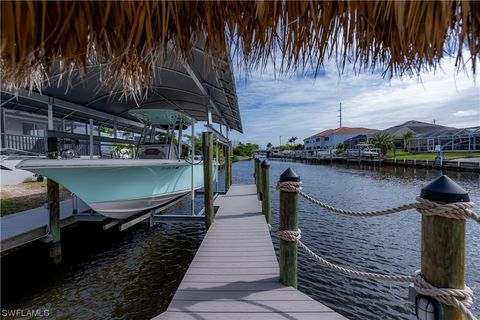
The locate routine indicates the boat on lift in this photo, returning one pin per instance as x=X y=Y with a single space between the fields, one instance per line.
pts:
x=119 y=188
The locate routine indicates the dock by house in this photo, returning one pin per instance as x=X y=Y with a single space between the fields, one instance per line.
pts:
x=235 y=273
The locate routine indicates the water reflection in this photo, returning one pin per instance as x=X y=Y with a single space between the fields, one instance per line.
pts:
x=134 y=274
x=383 y=244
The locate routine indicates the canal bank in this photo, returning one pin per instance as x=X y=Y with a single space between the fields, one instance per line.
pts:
x=135 y=273
x=467 y=165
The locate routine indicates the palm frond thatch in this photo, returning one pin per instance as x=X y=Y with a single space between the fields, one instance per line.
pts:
x=129 y=39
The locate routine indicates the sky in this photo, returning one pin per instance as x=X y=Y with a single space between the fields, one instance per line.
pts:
x=287 y=106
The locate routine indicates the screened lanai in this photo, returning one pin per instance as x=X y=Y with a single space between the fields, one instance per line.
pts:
x=467 y=139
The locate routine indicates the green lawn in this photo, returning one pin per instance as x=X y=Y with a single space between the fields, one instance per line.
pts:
x=8 y=206
x=36 y=183
x=25 y=196
x=400 y=154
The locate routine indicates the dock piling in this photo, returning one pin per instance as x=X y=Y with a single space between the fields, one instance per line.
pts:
x=266 y=191
x=228 y=167
x=260 y=180
x=53 y=193
x=257 y=174
x=288 y=221
x=225 y=163
x=207 y=144
x=443 y=241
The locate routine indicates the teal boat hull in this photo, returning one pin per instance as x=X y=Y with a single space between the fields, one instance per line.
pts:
x=121 y=188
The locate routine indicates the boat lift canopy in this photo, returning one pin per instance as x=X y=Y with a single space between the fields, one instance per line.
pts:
x=201 y=88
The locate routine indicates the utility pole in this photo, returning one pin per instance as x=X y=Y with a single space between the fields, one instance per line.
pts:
x=280 y=142
x=340 y=112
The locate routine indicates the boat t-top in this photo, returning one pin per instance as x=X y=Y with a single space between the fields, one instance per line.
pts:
x=119 y=188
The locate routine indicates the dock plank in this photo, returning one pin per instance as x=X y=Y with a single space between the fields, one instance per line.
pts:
x=328 y=315
x=235 y=275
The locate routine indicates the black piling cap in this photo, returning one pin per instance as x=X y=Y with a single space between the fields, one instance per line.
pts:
x=265 y=164
x=289 y=175
x=444 y=189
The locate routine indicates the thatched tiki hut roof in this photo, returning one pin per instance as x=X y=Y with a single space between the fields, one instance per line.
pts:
x=130 y=38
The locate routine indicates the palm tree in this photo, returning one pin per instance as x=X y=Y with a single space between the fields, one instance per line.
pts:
x=269 y=145
x=383 y=141
x=292 y=140
x=406 y=137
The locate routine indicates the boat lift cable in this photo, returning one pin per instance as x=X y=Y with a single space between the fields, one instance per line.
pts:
x=461 y=299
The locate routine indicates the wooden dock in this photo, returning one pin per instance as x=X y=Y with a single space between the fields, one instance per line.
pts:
x=235 y=273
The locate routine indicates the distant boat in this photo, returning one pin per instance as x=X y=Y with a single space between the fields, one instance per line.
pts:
x=120 y=188
x=363 y=150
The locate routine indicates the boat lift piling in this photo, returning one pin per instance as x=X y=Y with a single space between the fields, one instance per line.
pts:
x=216 y=161
x=225 y=156
x=258 y=177
x=228 y=167
x=207 y=143
x=267 y=212
x=228 y=164
x=193 y=171
x=53 y=193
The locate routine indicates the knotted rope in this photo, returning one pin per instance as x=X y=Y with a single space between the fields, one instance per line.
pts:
x=459 y=298
x=456 y=210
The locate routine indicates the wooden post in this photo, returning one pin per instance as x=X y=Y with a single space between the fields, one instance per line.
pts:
x=230 y=163
x=225 y=156
x=2 y=129
x=228 y=168
x=257 y=173
x=55 y=250
x=288 y=221
x=255 y=170
x=90 y=148
x=260 y=180
x=266 y=191
x=207 y=144
x=443 y=241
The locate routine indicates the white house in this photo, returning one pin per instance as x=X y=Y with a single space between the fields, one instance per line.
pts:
x=329 y=139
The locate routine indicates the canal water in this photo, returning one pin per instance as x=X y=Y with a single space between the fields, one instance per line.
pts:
x=134 y=274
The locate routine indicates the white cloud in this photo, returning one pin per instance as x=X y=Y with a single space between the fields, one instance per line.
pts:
x=467 y=113
x=300 y=106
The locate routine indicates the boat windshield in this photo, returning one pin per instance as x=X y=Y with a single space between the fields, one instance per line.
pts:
x=152 y=134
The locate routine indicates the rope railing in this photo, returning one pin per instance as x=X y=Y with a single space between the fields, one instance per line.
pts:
x=457 y=210
x=461 y=299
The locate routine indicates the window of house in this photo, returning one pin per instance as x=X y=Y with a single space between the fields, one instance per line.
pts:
x=326 y=138
x=33 y=129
